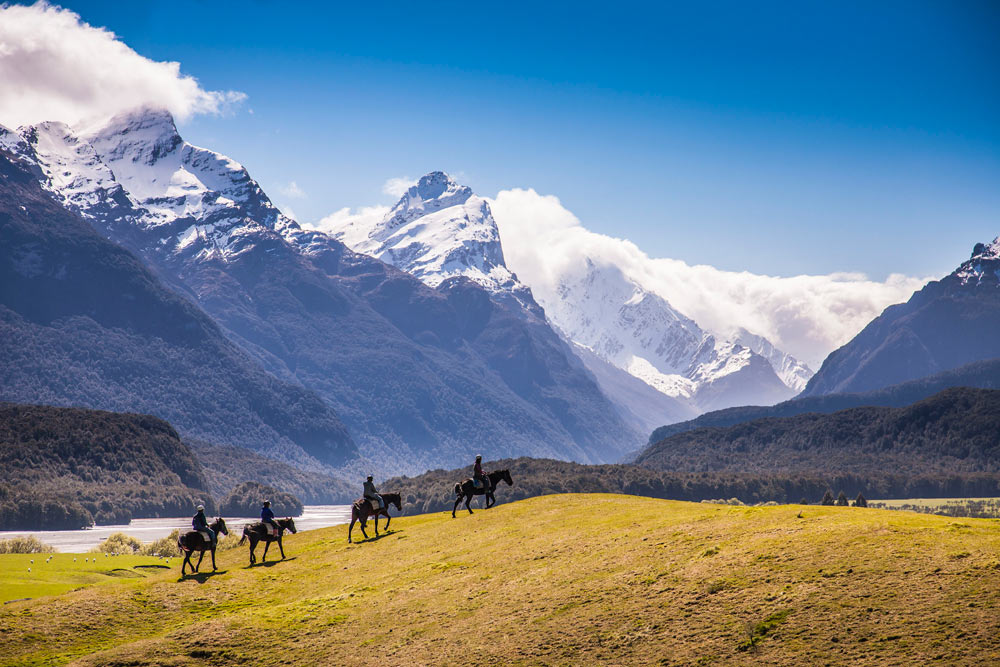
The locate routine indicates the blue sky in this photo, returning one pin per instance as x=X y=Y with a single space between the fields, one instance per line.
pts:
x=793 y=138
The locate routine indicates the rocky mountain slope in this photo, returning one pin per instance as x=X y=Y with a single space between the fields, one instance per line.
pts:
x=419 y=375
x=83 y=322
x=949 y=323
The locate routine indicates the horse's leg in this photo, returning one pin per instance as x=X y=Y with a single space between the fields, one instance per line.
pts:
x=491 y=500
x=354 y=518
x=458 y=500
x=253 y=547
x=387 y=520
x=263 y=556
x=468 y=499
x=201 y=555
x=376 y=524
x=364 y=522
x=213 y=560
x=187 y=560
x=281 y=548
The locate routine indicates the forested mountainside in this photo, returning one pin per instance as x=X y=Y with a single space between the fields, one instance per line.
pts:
x=979 y=374
x=951 y=434
x=70 y=467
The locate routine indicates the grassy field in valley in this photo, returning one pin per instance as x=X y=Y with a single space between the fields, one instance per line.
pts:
x=569 y=579
x=974 y=507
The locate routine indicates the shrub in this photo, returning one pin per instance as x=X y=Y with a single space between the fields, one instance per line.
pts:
x=827 y=498
x=842 y=500
x=165 y=546
x=120 y=543
x=24 y=545
x=860 y=501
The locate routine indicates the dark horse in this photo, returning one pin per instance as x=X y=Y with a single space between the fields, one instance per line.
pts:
x=468 y=488
x=192 y=541
x=257 y=532
x=362 y=509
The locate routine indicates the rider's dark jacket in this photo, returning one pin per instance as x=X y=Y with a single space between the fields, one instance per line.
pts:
x=199 y=522
x=266 y=514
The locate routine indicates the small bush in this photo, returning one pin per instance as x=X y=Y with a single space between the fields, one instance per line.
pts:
x=827 y=498
x=165 y=546
x=120 y=543
x=860 y=501
x=24 y=545
x=842 y=500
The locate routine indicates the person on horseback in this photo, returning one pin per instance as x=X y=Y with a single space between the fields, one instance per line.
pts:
x=200 y=523
x=477 y=473
x=372 y=494
x=267 y=517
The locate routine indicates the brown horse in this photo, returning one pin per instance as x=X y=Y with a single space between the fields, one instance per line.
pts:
x=257 y=532
x=362 y=509
x=468 y=488
x=192 y=541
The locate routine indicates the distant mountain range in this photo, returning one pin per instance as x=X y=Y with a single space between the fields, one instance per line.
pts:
x=418 y=375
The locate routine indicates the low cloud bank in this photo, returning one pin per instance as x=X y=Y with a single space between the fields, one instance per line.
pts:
x=56 y=67
x=806 y=316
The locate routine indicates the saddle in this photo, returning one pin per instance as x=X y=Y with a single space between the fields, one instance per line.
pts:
x=374 y=504
x=205 y=536
x=478 y=483
x=269 y=529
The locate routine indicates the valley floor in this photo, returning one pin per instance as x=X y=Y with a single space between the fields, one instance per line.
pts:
x=569 y=579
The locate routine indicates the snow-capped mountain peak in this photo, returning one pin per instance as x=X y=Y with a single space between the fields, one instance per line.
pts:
x=438 y=230
x=433 y=192
x=983 y=268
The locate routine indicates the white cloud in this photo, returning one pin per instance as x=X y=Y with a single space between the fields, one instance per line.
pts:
x=397 y=187
x=56 y=67
x=806 y=316
x=292 y=190
x=350 y=226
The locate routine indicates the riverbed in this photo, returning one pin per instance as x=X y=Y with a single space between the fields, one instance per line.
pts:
x=147 y=530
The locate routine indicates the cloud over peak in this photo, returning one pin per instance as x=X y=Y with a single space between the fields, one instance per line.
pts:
x=54 y=66
x=807 y=316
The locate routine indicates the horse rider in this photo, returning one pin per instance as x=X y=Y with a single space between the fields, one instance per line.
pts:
x=477 y=472
x=373 y=495
x=200 y=524
x=267 y=517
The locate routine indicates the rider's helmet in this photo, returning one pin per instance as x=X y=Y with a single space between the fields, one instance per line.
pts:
x=267 y=503
x=200 y=508
x=370 y=478
x=479 y=457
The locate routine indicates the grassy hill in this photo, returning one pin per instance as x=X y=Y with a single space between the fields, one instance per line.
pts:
x=572 y=579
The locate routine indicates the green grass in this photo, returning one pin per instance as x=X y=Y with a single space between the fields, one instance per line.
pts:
x=66 y=572
x=569 y=579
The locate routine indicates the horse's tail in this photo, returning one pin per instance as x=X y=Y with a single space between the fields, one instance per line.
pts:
x=244 y=538
x=458 y=488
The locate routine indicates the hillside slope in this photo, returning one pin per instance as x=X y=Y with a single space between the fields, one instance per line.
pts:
x=63 y=468
x=559 y=580
x=979 y=374
x=951 y=433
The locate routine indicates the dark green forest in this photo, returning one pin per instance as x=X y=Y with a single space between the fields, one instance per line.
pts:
x=70 y=467
x=434 y=491
x=953 y=435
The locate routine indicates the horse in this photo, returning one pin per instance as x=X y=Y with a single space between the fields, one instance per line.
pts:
x=468 y=488
x=362 y=509
x=257 y=532
x=193 y=540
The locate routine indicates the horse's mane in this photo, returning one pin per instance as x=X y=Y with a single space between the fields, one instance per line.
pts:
x=389 y=497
